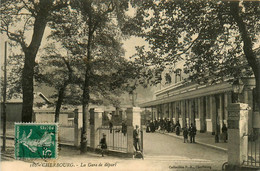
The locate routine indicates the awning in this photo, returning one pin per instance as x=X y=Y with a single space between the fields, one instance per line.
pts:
x=187 y=93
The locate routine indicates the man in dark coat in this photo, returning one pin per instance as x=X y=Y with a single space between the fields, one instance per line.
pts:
x=156 y=124
x=177 y=127
x=185 y=134
x=124 y=128
x=192 y=132
x=224 y=132
x=110 y=127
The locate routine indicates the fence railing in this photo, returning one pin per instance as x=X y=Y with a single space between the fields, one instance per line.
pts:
x=116 y=140
x=253 y=157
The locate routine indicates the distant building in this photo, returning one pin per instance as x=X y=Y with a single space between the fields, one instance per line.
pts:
x=14 y=107
x=203 y=105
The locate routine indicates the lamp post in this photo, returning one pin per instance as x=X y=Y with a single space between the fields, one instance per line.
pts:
x=237 y=88
x=132 y=97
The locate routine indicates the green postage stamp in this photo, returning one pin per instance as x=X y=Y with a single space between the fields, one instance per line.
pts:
x=36 y=140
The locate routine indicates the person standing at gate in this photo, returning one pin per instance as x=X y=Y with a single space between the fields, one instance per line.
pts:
x=124 y=128
x=103 y=144
x=192 y=132
x=136 y=137
x=110 y=126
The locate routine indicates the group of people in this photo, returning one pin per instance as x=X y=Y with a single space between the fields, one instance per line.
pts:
x=168 y=125
x=163 y=125
x=191 y=131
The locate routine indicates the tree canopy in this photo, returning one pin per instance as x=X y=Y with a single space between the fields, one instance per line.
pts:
x=216 y=38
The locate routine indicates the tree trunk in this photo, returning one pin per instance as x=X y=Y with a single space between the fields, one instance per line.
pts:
x=85 y=113
x=86 y=90
x=27 y=87
x=253 y=61
x=60 y=101
x=28 y=69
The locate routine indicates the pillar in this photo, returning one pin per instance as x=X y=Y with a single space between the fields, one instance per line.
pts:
x=213 y=113
x=200 y=114
x=226 y=102
x=133 y=118
x=237 y=134
x=220 y=111
x=130 y=140
x=248 y=99
x=95 y=123
x=77 y=130
x=133 y=115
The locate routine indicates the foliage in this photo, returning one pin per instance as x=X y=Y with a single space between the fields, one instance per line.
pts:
x=204 y=33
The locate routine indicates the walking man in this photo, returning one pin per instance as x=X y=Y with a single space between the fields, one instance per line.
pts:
x=192 y=132
x=185 y=134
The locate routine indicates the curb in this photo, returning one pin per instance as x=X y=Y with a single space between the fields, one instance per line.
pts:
x=198 y=142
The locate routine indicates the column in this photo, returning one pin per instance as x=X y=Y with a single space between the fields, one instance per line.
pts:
x=200 y=114
x=209 y=107
x=225 y=107
x=220 y=112
x=133 y=116
x=237 y=134
x=183 y=116
x=248 y=99
x=213 y=113
x=95 y=123
x=77 y=130
x=133 y=119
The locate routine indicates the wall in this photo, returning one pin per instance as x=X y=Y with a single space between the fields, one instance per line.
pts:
x=13 y=112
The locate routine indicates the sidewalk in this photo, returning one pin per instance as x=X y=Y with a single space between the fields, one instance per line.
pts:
x=206 y=139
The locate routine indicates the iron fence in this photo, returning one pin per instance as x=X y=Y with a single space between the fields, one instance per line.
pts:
x=253 y=157
x=116 y=140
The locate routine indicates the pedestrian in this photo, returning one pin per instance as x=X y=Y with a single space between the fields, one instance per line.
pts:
x=136 y=136
x=185 y=134
x=156 y=124
x=110 y=127
x=224 y=132
x=124 y=128
x=168 y=125
x=103 y=144
x=152 y=128
x=192 y=133
x=148 y=128
x=177 y=127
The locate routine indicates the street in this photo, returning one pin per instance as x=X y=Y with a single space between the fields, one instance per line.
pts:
x=161 y=152
x=164 y=148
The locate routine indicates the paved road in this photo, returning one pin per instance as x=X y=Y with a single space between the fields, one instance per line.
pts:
x=165 y=148
x=162 y=152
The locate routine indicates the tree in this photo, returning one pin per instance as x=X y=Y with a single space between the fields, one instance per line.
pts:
x=18 y=18
x=92 y=35
x=216 y=38
x=56 y=70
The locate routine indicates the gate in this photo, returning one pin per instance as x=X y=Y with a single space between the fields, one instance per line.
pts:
x=116 y=140
x=253 y=159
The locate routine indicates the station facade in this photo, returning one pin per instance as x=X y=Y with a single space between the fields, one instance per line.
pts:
x=202 y=105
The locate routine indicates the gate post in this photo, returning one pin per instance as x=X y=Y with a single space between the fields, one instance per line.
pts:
x=77 y=130
x=133 y=116
x=130 y=140
x=237 y=134
x=95 y=123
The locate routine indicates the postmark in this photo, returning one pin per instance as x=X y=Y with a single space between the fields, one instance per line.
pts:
x=36 y=140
